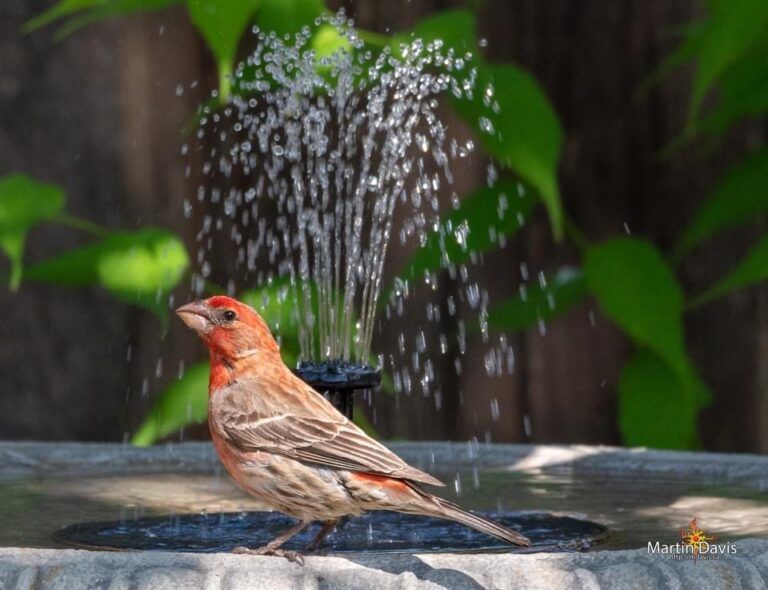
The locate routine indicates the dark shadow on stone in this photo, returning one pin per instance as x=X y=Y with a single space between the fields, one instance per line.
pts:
x=403 y=563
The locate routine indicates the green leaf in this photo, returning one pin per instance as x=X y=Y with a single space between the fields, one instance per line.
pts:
x=732 y=30
x=287 y=17
x=750 y=271
x=692 y=35
x=456 y=28
x=222 y=23
x=637 y=289
x=85 y=12
x=184 y=402
x=518 y=126
x=564 y=290
x=655 y=409
x=738 y=198
x=24 y=203
x=743 y=93
x=61 y=10
x=139 y=267
x=480 y=222
x=327 y=41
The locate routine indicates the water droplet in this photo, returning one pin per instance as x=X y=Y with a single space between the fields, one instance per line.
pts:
x=486 y=125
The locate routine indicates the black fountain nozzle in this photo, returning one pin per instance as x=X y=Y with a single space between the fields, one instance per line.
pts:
x=338 y=380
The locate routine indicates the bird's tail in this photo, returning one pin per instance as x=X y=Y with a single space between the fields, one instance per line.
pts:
x=451 y=511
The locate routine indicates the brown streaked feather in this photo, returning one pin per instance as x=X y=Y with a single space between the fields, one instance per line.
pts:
x=299 y=423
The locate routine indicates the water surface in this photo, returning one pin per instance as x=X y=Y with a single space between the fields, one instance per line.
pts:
x=636 y=509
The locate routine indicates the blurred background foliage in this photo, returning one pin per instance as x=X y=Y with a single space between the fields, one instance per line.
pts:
x=635 y=283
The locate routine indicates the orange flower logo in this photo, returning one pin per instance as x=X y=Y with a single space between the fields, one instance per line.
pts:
x=695 y=537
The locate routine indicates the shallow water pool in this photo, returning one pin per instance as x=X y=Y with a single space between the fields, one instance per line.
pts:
x=636 y=509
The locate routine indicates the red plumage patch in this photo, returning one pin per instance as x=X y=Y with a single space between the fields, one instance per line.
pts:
x=381 y=480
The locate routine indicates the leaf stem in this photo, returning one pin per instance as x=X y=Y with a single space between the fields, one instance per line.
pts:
x=703 y=298
x=81 y=224
x=225 y=81
x=574 y=234
x=17 y=270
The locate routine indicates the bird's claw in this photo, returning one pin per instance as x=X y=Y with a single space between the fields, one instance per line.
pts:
x=293 y=556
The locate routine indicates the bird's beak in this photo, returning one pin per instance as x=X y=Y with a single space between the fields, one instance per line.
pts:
x=197 y=315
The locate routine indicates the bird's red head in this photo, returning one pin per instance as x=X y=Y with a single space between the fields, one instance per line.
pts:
x=229 y=328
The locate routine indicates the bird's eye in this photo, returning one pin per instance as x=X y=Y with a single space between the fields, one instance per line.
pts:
x=229 y=316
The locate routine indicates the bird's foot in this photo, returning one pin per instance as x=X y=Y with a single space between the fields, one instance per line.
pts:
x=325 y=530
x=293 y=556
x=316 y=549
x=314 y=546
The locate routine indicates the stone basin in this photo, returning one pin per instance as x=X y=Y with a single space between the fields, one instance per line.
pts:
x=642 y=496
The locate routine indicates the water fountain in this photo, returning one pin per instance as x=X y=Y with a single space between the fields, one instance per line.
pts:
x=306 y=170
x=334 y=151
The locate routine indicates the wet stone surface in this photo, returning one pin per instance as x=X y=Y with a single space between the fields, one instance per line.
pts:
x=44 y=569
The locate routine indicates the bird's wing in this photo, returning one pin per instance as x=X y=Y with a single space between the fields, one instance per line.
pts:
x=312 y=431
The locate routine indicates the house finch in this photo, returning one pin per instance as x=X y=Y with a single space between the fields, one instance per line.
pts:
x=286 y=445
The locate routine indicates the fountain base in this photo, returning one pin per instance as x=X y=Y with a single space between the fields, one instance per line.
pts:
x=376 y=531
x=338 y=380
